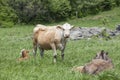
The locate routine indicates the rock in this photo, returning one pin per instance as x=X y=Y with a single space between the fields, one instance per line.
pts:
x=84 y=32
x=118 y=27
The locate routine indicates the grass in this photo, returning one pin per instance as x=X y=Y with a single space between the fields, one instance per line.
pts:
x=77 y=53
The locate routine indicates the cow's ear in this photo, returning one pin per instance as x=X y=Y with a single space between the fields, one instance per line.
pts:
x=59 y=27
x=72 y=27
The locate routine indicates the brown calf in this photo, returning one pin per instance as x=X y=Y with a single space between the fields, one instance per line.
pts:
x=100 y=63
x=24 y=55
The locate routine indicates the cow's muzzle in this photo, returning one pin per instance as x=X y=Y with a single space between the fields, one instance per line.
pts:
x=67 y=36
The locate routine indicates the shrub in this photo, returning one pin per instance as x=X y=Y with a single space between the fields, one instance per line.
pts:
x=4 y=24
x=117 y=2
x=7 y=15
x=59 y=9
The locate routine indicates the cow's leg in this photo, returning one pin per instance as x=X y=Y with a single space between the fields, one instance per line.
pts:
x=54 y=52
x=41 y=52
x=62 y=51
x=61 y=48
x=34 y=48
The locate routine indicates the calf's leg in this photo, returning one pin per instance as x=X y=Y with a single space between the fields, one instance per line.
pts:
x=62 y=51
x=54 y=51
x=34 y=49
x=61 y=48
x=62 y=54
x=41 y=52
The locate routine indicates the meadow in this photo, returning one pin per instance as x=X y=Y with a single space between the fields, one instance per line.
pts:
x=77 y=53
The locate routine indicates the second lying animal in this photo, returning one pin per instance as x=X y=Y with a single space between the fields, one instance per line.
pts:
x=100 y=63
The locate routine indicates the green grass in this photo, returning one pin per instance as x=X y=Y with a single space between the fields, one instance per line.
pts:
x=77 y=53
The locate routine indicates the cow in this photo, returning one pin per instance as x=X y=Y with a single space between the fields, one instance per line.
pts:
x=24 y=55
x=51 y=38
x=100 y=63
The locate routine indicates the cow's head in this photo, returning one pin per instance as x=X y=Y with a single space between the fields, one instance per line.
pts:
x=102 y=55
x=66 y=29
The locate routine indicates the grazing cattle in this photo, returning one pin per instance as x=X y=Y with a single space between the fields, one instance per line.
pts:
x=24 y=55
x=51 y=37
x=100 y=63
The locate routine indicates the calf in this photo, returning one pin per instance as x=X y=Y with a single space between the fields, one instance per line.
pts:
x=24 y=55
x=100 y=63
x=54 y=37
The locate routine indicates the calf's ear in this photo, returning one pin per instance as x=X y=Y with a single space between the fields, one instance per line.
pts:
x=72 y=27
x=59 y=27
x=106 y=53
x=102 y=52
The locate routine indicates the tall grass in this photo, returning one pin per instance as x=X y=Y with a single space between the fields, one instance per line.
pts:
x=77 y=53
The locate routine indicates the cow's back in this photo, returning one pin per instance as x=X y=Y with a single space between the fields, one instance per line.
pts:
x=47 y=37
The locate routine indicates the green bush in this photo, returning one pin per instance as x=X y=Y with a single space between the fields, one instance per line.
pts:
x=105 y=5
x=39 y=11
x=88 y=7
x=7 y=15
x=59 y=8
x=117 y=2
x=4 y=24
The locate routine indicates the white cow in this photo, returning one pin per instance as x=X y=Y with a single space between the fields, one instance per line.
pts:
x=52 y=37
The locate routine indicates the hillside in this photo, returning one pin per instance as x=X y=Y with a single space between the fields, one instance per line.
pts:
x=109 y=19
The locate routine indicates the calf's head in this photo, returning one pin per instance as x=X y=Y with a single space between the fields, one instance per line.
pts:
x=66 y=29
x=102 y=55
x=24 y=53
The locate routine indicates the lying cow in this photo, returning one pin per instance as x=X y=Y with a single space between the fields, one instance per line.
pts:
x=54 y=37
x=100 y=63
x=24 y=55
